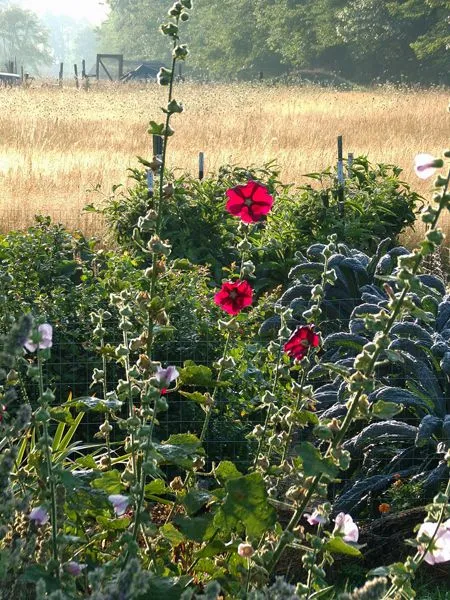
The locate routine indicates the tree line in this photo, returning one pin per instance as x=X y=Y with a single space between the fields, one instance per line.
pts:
x=361 y=40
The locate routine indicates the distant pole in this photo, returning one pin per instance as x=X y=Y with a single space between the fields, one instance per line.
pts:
x=21 y=73
x=201 y=165
x=61 y=74
x=15 y=65
x=261 y=75
x=75 y=72
x=350 y=164
x=83 y=69
x=340 y=176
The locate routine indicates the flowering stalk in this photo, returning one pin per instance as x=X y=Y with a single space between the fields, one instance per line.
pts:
x=43 y=416
x=365 y=369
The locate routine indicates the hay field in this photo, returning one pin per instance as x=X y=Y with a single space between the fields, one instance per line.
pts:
x=57 y=144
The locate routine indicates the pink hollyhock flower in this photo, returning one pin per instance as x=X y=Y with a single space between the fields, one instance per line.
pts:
x=45 y=333
x=300 y=341
x=166 y=376
x=234 y=296
x=119 y=503
x=74 y=568
x=38 y=515
x=346 y=527
x=250 y=201
x=316 y=518
x=440 y=547
x=245 y=550
x=425 y=165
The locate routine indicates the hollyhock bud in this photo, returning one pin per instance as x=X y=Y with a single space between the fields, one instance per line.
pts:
x=180 y=52
x=174 y=107
x=245 y=550
x=164 y=76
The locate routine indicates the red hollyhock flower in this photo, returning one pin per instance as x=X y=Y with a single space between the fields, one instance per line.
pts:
x=234 y=296
x=250 y=201
x=300 y=341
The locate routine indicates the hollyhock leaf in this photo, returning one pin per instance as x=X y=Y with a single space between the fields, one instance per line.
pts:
x=166 y=588
x=197 y=529
x=225 y=471
x=157 y=486
x=196 y=397
x=109 y=482
x=95 y=404
x=336 y=545
x=196 y=375
x=385 y=410
x=313 y=463
x=171 y=533
x=246 y=502
x=195 y=500
x=113 y=524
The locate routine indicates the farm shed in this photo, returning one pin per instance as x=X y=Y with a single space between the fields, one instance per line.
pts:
x=144 y=71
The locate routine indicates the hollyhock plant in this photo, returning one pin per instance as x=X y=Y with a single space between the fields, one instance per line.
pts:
x=250 y=202
x=38 y=515
x=119 y=503
x=346 y=527
x=45 y=333
x=301 y=341
x=234 y=296
x=425 y=165
x=440 y=547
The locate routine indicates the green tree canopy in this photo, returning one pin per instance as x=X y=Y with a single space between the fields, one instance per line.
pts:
x=23 y=38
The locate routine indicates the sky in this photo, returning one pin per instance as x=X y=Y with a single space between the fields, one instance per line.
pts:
x=94 y=11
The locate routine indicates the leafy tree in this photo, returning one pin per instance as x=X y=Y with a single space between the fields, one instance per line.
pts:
x=23 y=37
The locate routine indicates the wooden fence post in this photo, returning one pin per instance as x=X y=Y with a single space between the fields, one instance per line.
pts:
x=201 y=165
x=350 y=164
x=75 y=72
x=61 y=74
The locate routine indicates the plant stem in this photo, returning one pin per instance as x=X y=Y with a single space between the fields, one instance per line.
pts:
x=50 y=476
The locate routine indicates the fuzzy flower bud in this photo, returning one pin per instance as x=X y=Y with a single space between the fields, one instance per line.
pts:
x=245 y=550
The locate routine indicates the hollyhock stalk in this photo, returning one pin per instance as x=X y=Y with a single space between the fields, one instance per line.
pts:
x=353 y=405
x=50 y=474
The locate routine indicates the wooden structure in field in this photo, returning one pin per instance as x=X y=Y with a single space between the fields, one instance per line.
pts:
x=118 y=58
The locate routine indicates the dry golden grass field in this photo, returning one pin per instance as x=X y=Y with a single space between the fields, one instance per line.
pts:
x=57 y=144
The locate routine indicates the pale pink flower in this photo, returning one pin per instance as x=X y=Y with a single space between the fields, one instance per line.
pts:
x=45 y=333
x=119 y=503
x=166 y=376
x=424 y=165
x=245 y=550
x=440 y=547
x=316 y=518
x=74 y=568
x=346 y=527
x=38 y=515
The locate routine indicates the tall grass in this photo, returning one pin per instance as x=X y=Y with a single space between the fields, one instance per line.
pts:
x=57 y=144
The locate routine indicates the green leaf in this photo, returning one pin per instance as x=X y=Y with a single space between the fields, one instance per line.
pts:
x=157 y=486
x=313 y=462
x=336 y=545
x=197 y=375
x=171 y=533
x=113 y=524
x=195 y=500
x=197 y=397
x=109 y=482
x=197 y=529
x=95 y=404
x=226 y=470
x=246 y=503
x=386 y=410
x=62 y=415
x=155 y=128
x=165 y=588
